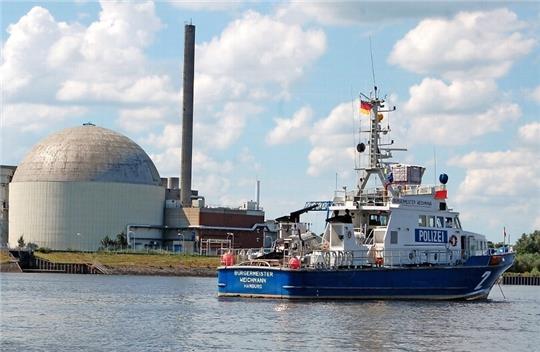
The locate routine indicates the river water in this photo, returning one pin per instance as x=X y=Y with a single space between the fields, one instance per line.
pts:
x=59 y=312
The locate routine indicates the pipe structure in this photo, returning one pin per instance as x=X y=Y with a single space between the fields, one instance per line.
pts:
x=258 y=195
x=187 y=116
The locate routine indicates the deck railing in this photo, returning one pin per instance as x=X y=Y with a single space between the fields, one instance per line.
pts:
x=379 y=196
x=333 y=259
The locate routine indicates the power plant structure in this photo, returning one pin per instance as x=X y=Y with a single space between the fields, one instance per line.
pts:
x=81 y=184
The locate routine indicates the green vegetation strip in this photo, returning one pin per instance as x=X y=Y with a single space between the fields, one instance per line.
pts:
x=132 y=259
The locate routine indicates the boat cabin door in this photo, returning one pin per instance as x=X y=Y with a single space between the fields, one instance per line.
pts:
x=465 y=247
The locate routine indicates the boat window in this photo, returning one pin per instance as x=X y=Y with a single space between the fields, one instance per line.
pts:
x=374 y=219
x=422 y=221
x=448 y=222
x=378 y=220
x=457 y=224
x=431 y=221
x=383 y=219
x=472 y=244
x=393 y=237
x=440 y=221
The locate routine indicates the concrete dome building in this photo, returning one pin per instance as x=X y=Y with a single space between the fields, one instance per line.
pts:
x=81 y=184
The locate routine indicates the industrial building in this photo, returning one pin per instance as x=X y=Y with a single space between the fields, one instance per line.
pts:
x=81 y=184
x=84 y=183
x=6 y=175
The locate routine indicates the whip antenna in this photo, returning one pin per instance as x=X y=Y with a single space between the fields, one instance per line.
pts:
x=372 y=68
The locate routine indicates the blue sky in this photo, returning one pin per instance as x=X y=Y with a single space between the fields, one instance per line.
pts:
x=276 y=93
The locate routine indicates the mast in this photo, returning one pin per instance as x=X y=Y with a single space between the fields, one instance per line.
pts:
x=376 y=154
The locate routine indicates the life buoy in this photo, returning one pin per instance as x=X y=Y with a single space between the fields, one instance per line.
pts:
x=453 y=240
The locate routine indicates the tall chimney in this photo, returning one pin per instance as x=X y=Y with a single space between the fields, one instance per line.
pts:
x=258 y=195
x=187 y=117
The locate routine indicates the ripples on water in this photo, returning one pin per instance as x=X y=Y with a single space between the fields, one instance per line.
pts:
x=54 y=312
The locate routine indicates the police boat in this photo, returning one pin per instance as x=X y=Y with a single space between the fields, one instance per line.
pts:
x=398 y=240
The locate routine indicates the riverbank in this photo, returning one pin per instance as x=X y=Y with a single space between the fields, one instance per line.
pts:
x=8 y=264
x=140 y=263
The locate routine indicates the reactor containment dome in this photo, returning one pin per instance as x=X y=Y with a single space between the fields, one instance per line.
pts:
x=81 y=184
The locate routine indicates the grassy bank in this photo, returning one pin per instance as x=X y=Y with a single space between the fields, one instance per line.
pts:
x=4 y=256
x=140 y=263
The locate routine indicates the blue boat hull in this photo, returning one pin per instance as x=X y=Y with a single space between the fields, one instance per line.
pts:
x=470 y=281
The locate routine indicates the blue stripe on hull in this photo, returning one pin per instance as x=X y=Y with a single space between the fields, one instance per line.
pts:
x=453 y=282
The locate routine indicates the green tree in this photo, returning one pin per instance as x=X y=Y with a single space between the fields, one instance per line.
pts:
x=107 y=243
x=527 y=250
x=528 y=243
x=121 y=240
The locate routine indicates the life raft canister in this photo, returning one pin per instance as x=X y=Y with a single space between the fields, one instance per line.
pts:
x=294 y=263
x=453 y=240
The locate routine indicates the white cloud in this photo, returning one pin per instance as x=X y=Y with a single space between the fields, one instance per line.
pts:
x=138 y=120
x=170 y=137
x=332 y=141
x=167 y=161
x=148 y=89
x=291 y=130
x=433 y=95
x=501 y=187
x=206 y=5
x=470 y=51
x=225 y=127
x=535 y=94
x=454 y=113
x=25 y=50
x=346 y=13
x=204 y=163
x=507 y=173
x=259 y=49
x=458 y=129
x=43 y=58
x=214 y=89
x=471 y=45
x=530 y=133
x=248 y=161
x=33 y=117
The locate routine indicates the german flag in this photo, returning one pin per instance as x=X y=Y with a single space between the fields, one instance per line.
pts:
x=365 y=107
